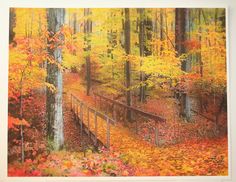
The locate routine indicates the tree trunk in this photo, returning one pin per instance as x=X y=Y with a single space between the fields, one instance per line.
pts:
x=148 y=35
x=181 y=35
x=73 y=35
x=199 y=57
x=74 y=23
x=55 y=18
x=112 y=37
x=161 y=29
x=141 y=51
x=127 y=63
x=87 y=31
x=12 y=25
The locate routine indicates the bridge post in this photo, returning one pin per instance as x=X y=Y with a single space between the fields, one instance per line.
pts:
x=95 y=98
x=96 y=128
x=76 y=111
x=156 y=134
x=100 y=103
x=114 y=112
x=73 y=101
x=108 y=133
x=71 y=98
x=88 y=119
x=81 y=119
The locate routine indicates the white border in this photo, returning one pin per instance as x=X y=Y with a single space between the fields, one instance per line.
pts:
x=230 y=6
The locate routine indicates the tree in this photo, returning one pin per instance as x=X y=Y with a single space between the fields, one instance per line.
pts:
x=87 y=32
x=161 y=28
x=181 y=36
x=55 y=17
x=12 y=25
x=141 y=51
x=112 y=43
x=127 y=62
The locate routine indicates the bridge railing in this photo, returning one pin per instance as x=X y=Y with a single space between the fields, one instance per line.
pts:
x=88 y=119
x=114 y=104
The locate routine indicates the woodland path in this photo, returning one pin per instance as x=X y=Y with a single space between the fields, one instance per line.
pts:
x=148 y=159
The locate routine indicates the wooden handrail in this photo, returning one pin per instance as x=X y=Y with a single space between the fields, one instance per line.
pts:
x=75 y=103
x=146 y=114
x=206 y=117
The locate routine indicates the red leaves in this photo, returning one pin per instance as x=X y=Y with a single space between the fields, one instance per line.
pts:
x=12 y=122
x=72 y=164
x=21 y=171
x=12 y=171
x=36 y=173
x=192 y=44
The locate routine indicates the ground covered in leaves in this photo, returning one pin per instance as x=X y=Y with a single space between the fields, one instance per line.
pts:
x=65 y=163
x=129 y=155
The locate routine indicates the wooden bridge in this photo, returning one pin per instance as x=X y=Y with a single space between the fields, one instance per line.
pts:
x=87 y=117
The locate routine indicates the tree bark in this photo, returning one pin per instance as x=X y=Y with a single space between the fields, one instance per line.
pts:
x=199 y=57
x=12 y=25
x=148 y=35
x=87 y=31
x=161 y=29
x=141 y=51
x=55 y=18
x=127 y=63
x=74 y=23
x=181 y=36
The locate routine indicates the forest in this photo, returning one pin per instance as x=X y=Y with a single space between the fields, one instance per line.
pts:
x=117 y=92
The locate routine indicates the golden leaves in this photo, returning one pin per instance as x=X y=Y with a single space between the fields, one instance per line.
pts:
x=51 y=87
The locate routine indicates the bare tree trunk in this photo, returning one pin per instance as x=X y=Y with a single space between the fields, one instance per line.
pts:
x=112 y=37
x=199 y=57
x=161 y=29
x=127 y=63
x=148 y=35
x=181 y=35
x=73 y=35
x=12 y=25
x=55 y=17
x=75 y=24
x=156 y=34
x=31 y=23
x=87 y=31
x=141 y=51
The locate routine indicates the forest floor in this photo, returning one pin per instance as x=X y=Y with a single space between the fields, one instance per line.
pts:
x=129 y=155
x=210 y=154
x=73 y=160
